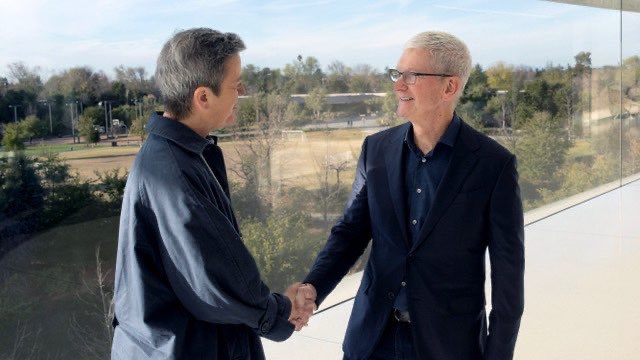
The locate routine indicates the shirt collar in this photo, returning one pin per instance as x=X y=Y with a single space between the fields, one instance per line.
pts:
x=448 y=138
x=179 y=133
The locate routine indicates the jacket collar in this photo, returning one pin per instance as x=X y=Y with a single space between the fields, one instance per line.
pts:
x=178 y=133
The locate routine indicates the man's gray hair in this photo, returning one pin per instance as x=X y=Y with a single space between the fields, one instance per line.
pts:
x=448 y=53
x=190 y=59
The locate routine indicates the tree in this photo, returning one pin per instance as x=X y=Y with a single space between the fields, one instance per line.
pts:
x=34 y=127
x=21 y=195
x=541 y=152
x=257 y=80
x=255 y=195
x=500 y=76
x=389 y=108
x=79 y=83
x=124 y=113
x=135 y=81
x=316 y=101
x=15 y=134
x=631 y=79
x=88 y=130
x=294 y=114
x=477 y=89
x=303 y=75
x=65 y=193
x=338 y=77
x=119 y=92
x=112 y=185
x=246 y=112
x=281 y=246
x=26 y=78
x=4 y=86
x=583 y=63
x=138 y=127
x=89 y=121
x=53 y=172
x=330 y=197
x=363 y=79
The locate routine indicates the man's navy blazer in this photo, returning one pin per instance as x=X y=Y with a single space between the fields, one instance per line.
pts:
x=477 y=206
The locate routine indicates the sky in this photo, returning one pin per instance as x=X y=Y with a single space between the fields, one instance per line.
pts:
x=102 y=34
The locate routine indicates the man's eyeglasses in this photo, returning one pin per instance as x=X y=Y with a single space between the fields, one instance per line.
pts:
x=409 y=77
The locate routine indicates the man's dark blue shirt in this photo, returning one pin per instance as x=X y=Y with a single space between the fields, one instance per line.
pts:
x=422 y=175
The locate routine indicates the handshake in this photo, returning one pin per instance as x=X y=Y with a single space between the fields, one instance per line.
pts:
x=303 y=303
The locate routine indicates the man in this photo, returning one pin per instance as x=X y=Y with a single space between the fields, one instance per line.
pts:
x=431 y=194
x=186 y=287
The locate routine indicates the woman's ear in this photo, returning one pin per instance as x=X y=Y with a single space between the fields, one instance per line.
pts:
x=202 y=97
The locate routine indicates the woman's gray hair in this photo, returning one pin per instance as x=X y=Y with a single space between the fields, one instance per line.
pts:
x=190 y=59
x=448 y=53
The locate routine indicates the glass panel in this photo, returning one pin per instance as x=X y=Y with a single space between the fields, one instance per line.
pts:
x=55 y=292
x=630 y=110
x=552 y=84
x=553 y=105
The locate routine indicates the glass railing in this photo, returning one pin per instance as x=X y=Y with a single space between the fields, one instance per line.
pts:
x=557 y=84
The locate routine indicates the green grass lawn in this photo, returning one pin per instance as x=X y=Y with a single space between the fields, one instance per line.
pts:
x=44 y=149
x=581 y=149
x=77 y=151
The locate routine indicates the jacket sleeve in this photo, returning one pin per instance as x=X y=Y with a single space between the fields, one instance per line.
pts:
x=348 y=239
x=506 y=253
x=207 y=265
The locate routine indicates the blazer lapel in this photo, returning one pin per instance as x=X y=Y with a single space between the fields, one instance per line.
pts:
x=395 y=178
x=462 y=161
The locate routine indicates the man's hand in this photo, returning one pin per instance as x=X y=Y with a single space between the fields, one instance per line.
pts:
x=303 y=303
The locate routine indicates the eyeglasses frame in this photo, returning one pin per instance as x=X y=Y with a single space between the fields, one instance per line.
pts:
x=415 y=74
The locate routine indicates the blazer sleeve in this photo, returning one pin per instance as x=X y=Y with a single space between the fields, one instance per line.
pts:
x=348 y=239
x=506 y=253
x=207 y=265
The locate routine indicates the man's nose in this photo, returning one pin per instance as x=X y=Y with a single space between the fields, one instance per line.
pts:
x=399 y=85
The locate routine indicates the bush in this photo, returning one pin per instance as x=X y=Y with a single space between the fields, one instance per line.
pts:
x=282 y=246
x=112 y=185
x=14 y=136
x=21 y=196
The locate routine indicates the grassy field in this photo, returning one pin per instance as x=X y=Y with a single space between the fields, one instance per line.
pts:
x=294 y=162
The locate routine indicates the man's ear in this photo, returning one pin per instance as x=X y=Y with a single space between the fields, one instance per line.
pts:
x=454 y=83
x=202 y=98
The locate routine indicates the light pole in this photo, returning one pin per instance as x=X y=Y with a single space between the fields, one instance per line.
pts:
x=15 y=112
x=46 y=102
x=73 y=133
x=106 y=104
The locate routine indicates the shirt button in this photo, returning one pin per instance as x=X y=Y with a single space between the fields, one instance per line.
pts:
x=414 y=222
x=418 y=190
x=424 y=160
x=403 y=284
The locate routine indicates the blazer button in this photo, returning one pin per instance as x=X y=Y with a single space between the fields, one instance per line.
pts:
x=403 y=283
x=265 y=327
x=391 y=295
